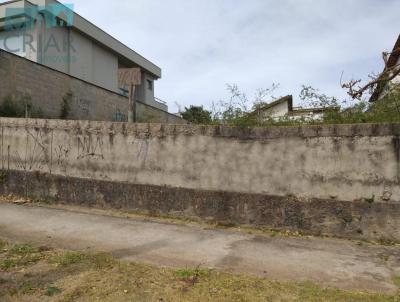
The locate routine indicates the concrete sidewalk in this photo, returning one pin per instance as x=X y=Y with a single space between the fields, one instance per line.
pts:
x=328 y=262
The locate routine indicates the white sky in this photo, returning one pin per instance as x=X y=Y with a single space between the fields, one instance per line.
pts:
x=201 y=45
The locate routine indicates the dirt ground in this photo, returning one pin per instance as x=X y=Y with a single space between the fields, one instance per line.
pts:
x=33 y=274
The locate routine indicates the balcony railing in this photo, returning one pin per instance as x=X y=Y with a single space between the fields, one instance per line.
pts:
x=160 y=101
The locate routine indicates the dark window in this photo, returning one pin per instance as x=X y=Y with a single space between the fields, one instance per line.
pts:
x=150 y=85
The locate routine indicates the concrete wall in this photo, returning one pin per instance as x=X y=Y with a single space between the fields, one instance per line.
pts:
x=357 y=220
x=247 y=175
x=47 y=87
x=329 y=162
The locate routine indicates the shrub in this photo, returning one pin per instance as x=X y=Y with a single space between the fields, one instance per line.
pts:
x=385 y=110
x=66 y=105
x=19 y=106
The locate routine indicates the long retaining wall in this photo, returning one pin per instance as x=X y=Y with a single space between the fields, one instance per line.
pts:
x=339 y=180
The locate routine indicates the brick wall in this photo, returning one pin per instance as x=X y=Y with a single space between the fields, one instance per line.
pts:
x=47 y=87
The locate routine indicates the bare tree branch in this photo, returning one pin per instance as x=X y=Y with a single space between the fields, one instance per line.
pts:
x=356 y=91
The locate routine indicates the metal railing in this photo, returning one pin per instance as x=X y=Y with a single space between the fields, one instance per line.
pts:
x=160 y=101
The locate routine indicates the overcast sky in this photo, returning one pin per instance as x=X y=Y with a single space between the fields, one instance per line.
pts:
x=201 y=45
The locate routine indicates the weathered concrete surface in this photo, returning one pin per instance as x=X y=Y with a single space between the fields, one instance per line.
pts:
x=346 y=219
x=328 y=262
x=343 y=162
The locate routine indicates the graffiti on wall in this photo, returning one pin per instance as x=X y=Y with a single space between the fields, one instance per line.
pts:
x=36 y=155
x=36 y=151
x=84 y=106
x=90 y=147
x=119 y=116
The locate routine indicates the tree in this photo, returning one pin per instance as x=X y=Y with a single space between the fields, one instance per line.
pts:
x=377 y=82
x=313 y=98
x=197 y=115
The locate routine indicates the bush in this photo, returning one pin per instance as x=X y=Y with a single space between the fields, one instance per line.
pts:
x=385 y=110
x=66 y=105
x=197 y=115
x=20 y=106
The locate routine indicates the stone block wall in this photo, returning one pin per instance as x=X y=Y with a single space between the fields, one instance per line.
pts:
x=47 y=88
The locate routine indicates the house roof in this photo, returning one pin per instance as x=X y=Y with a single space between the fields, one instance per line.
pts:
x=292 y=111
x=393 y=59
x=127 y=55
x=286 y=99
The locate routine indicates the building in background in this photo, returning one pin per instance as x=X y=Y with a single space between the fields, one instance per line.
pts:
x=283 y=108
x=50 y=33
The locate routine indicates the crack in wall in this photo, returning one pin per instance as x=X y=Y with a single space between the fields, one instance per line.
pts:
x=396 y=144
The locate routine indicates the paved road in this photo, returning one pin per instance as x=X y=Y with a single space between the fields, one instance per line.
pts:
x=329 y=262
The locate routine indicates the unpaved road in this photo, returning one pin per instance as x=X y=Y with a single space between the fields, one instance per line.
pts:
x=329 y=262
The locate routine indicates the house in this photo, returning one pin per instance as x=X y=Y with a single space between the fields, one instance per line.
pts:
x=51 y=34
x=283 y=108
x=394 y=60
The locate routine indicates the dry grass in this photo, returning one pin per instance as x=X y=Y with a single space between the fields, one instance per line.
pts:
x=41 y=274
x=396 y=281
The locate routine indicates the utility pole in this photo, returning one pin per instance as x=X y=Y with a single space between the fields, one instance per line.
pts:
x=132 y=105
x=130 y=77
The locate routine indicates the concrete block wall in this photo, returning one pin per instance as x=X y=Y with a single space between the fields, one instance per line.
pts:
x=47 y=87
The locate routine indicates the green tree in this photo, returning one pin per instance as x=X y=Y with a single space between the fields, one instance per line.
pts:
x=197 y=115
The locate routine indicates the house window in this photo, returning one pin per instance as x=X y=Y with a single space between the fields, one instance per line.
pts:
x=150 y=85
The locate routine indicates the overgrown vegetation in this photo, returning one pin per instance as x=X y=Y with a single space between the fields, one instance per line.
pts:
x=19 y=106
x=239 y=109
x=74 y=276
